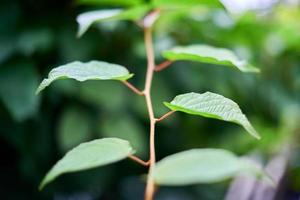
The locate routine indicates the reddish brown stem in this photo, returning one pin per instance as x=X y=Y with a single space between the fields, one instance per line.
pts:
x=140 y=161
x=163 y=65
x=132 y=88
x=165 y=116
x=150 y=187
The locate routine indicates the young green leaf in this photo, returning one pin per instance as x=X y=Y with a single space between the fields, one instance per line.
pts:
x=201 y=166
x=186 y=3
x=85 y=20
x=93 y=70
x=111 y=2
x=90 y=155
x=211 y=105
x=196 y=166
x=209 y=54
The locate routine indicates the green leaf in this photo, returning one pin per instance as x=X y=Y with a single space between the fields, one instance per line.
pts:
x=208 y=54
x=93 y=70
x=196 y=166
x=90 y=155
x=186 y=3
x=111 y=2
x=85 y=20
x=127 y=128
x=18 y=82
x=211 y=105
x=74 y=128
x=202 y=166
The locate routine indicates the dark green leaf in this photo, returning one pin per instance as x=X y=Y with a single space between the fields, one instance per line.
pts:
x=74 y=128
x=18 y=82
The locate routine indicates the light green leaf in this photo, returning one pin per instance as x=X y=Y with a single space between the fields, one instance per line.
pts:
x=209 y=54
x=177 y=4
x=93 y=70
x=111 y=2
x=90 y=155
x=211 y=105
x=85 y=20
x=202 y=166
x=196 y=166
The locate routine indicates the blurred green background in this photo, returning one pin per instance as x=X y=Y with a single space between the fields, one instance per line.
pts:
x=36 y=131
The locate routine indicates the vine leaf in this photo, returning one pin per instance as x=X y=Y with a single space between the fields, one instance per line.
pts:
x=85 y=20
x=209 y=54
x=200 y=166
x=211 y=105
x=90 y=155
x=93 y=70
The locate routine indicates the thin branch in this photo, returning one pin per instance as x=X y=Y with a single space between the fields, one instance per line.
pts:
x=150 y=187
x=163 y=65
x=165 y=116
x=138 y=160
x=133 y=88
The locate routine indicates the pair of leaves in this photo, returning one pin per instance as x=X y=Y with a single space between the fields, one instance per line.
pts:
x=184 y=168
x=208 y=104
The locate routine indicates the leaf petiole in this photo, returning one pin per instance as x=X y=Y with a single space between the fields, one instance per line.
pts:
x=140 y=161
x=163 y=65
x=133 y=88
x=165 y=116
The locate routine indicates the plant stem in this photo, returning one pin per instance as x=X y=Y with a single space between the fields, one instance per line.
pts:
x=165 y=116
x=147 y=92
x=163 y=65
x=138 y=160
x=134 y=89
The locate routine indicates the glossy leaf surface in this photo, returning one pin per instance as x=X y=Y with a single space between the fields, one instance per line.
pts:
x=93 y=70
x=212 y=105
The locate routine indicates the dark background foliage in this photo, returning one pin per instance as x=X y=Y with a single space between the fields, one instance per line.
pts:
x=35 y=131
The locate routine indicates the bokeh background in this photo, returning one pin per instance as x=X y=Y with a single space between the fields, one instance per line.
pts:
x=36 y=131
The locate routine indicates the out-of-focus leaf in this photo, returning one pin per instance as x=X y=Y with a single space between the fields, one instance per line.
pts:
x=212 y=105
x=202 y=166
x=110 y=101
x=32 y=41
x=18 y=82
x=208 y=54
x=7 y=48
x=187 y=3
x=111 y=2
x=93 y=70
x=85 y=20
x=196 y=166
x=126 y=128
x=74 y=128
x=90 y=155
